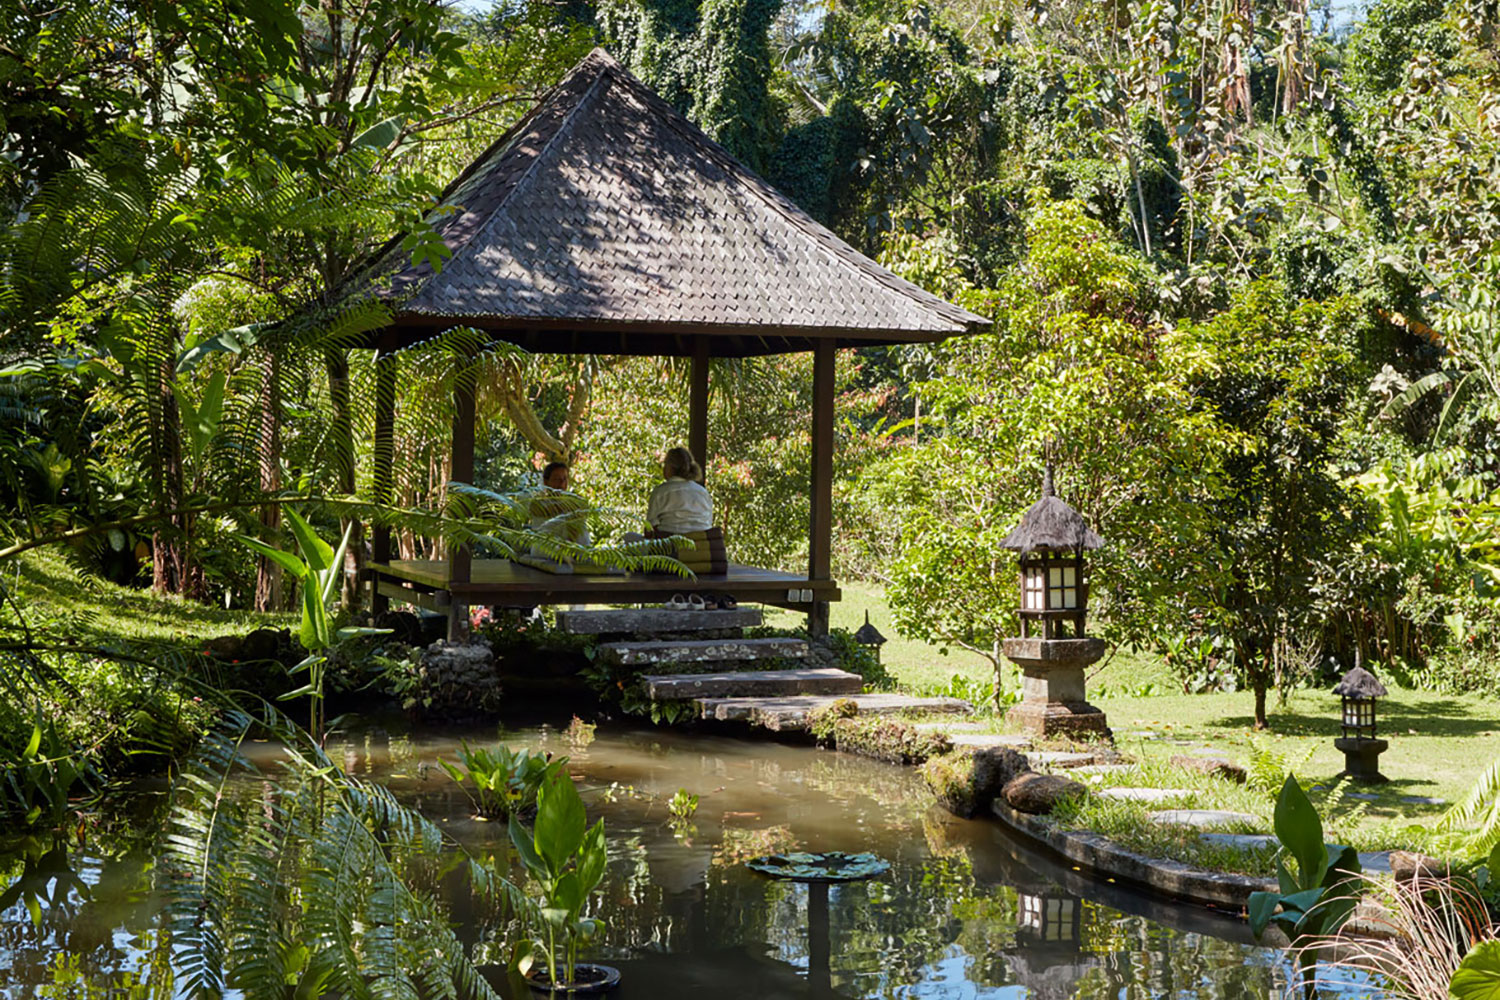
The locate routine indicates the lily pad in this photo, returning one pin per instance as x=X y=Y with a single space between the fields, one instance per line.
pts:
x=829 y=866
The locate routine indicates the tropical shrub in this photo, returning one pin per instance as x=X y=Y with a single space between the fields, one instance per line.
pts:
x=502 y=782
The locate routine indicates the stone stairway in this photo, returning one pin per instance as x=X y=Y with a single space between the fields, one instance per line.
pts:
x=704 y=657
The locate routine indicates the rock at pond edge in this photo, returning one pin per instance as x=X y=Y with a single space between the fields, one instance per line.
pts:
x=968 y=781
x=1039 y=794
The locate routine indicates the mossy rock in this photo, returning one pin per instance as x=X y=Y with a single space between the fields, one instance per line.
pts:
x=968 y=781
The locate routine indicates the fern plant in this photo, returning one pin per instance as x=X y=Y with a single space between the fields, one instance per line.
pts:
x=314 y=881
x=1476 y=819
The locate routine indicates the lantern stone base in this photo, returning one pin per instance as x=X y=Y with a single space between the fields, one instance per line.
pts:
x=1362 y=759
x=1053 y=702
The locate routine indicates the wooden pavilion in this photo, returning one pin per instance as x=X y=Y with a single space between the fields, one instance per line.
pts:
x=604 y=222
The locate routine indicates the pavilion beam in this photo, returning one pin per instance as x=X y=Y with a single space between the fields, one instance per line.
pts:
x=820 y=523
x=386 y=364
x=461 y=557
x=698 y=402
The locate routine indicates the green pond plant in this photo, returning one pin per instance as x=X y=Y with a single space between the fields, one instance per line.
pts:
x=566 y=858
x=502 y=782
x=319 y=568
x=1317 y=897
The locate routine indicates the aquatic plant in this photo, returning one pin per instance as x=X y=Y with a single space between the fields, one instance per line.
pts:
x=566 y=857
x=1317 y=898
x=683 y=804
x=502 y=782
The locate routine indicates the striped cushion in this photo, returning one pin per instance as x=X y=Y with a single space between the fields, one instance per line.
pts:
x=709 y=554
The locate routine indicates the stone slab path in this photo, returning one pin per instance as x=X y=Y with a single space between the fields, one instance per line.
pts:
x=1201 y=818
x=1240 y=841
x=1146 y=794
x=989 y=741
x=1060 y=759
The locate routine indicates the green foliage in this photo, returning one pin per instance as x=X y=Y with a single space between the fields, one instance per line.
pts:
x=683 y=804
x=1478 y=975
x=1476 y=819
x=1387 y=38
x=566 y=858
x=1269 y=768
x=1318 y=896
x=311 y=882
x=502 y=782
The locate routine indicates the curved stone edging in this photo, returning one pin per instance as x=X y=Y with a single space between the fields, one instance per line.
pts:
x=1103 y=856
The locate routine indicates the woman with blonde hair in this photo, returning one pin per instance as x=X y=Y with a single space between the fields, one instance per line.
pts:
x=680 y=504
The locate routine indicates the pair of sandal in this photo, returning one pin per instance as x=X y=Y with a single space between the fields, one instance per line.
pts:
x=701 y=602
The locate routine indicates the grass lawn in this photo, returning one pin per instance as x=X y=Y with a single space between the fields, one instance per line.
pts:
x=50 y=590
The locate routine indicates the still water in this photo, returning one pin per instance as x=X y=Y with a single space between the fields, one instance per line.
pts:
x=964 y=912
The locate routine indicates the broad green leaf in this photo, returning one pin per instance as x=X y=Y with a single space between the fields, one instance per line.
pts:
x=560 y=821
x=1301 y=832
x=317 y=553
x=34 y=744
x=1494 y=863
x=593 y=857
x=379 y=135
x=1478 y=975
x=285 y=560
x=569 y=893
x=521 y=840
x=316 y=626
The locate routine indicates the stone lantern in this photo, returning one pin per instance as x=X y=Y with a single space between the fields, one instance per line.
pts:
x=1358 y=691
x=1053 y=648
x=869 y=637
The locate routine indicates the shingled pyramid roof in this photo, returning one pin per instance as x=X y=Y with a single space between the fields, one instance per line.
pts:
x=1051 y=524
x=606 y=222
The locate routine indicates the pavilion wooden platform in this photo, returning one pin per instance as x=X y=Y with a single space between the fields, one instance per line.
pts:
x=429 y=583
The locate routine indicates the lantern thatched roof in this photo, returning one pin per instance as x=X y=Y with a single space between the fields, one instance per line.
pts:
x=605 y=222
x=1051 y=524
x=1360 y=683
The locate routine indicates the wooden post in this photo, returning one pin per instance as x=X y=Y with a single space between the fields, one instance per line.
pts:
x=698 y=403
x=820 y=523
x=460 y=558
x=386 y=364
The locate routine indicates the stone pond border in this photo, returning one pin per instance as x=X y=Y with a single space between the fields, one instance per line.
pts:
x=1104 y=857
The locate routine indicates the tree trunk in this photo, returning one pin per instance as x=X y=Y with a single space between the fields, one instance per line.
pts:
x=1294 y=42
x=171 y=571
x=342 y=439
x=1259 y=683
x=267 y=572
x=1236 y=59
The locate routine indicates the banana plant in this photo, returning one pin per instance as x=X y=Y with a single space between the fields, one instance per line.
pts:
x=566 y=858
x=318 y=568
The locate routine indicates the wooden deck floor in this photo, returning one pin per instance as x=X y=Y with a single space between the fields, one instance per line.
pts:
x=499 y=581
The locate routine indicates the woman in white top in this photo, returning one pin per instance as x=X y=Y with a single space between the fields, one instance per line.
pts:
x=680 y=504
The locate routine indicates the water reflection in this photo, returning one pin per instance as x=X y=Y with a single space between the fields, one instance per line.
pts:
x=963 y=913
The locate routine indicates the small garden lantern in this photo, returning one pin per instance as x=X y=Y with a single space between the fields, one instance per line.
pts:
x=1053 y=648
x=1358 y=691
x=869 y=637
x=1054 y=590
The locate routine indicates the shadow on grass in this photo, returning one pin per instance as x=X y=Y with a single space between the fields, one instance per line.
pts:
x=1442 y=717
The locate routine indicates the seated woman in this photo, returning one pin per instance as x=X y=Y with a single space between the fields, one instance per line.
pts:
x=680 y=504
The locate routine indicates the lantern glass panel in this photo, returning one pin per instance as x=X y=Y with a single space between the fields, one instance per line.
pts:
x=1034 y=585
x=1063 y=586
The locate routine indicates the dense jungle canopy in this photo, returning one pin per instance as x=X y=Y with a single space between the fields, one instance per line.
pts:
x=1238 y=255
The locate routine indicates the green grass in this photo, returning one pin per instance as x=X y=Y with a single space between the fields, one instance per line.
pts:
x=69 y=605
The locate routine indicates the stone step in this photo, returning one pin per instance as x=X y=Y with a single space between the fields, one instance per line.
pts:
x=702 y=650
x=989 y=741
x=790 y=713
x=627 y=620
x=753 y=683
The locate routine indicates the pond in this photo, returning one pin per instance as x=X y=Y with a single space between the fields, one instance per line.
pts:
x=964 y=912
